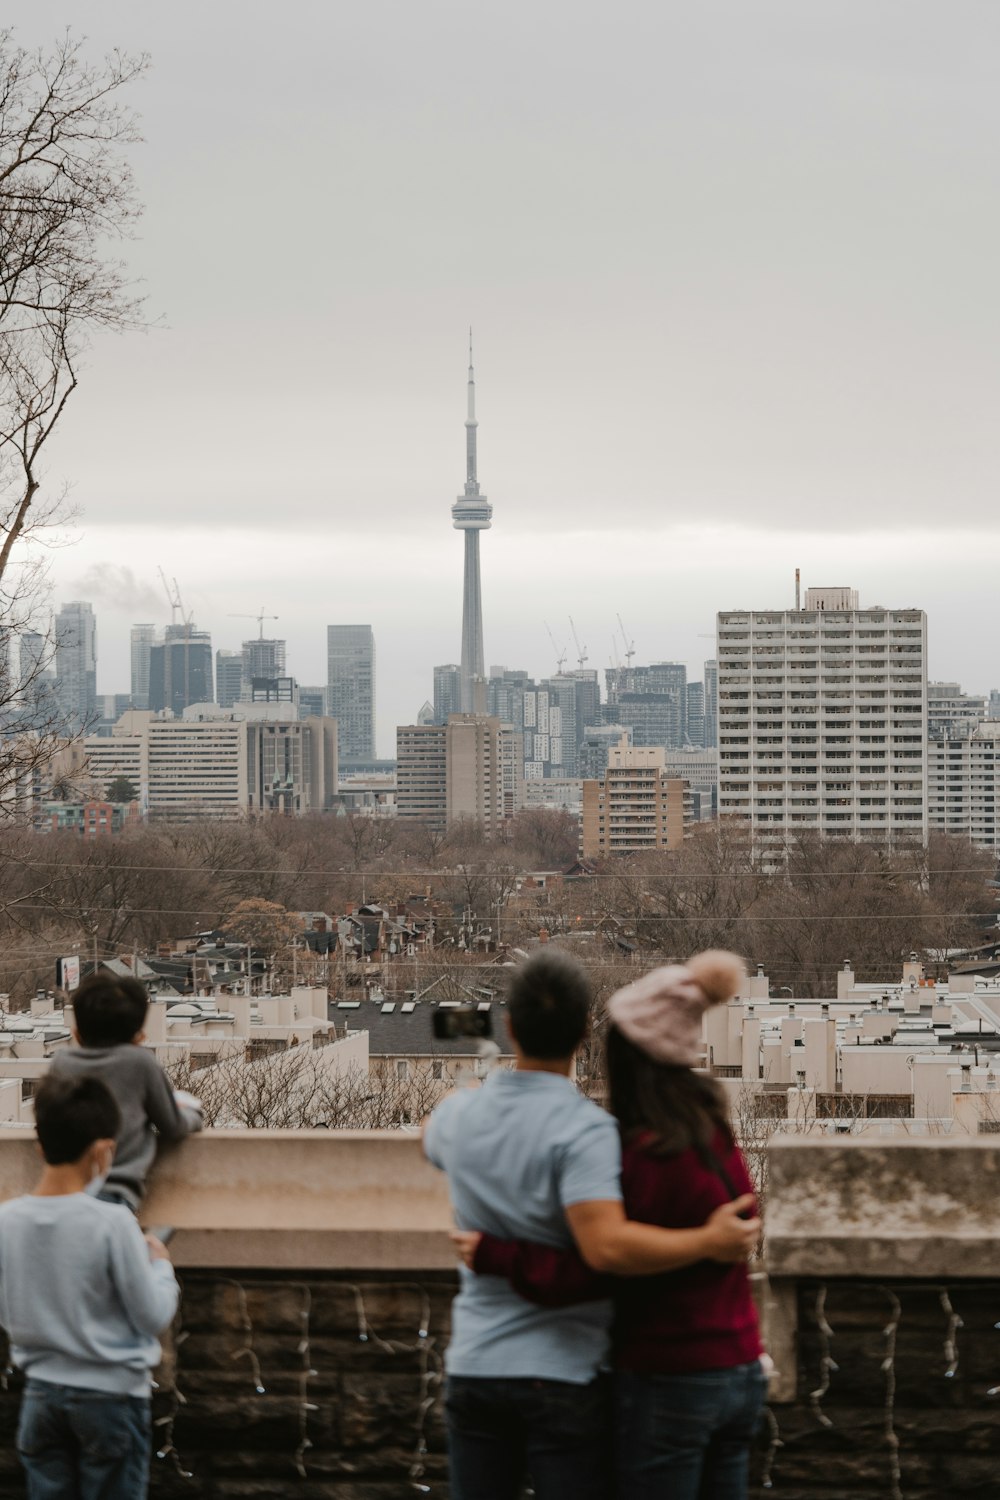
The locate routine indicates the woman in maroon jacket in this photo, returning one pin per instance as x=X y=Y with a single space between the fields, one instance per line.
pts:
x=690 y=1385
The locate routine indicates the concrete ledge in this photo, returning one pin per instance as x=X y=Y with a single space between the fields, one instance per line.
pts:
x=286 y=1199
x=868 y=1208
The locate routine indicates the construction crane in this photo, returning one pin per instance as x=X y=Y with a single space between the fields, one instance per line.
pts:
x=174 y=600
x=629 y=645
x=260 y=617
x=581 y=651
x=560 y=655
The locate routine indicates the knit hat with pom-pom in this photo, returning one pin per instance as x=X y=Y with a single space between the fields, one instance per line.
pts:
x=661 y=1013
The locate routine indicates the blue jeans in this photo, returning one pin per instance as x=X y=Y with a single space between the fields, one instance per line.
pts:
x=500 y=1432
x=687 y=1437
x=77 y=1444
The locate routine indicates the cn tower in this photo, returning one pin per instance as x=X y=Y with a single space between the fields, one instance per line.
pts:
x=472 y=513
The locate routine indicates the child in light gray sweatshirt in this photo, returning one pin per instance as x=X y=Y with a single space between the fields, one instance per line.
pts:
x=83 y=1296
x=109 y=1014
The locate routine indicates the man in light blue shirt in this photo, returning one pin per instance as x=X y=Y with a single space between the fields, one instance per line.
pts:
x=528 y=1157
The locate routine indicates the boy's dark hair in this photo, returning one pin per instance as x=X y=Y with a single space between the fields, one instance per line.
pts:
x=109 y=1011
x=71 y=1114
x=548 y=1003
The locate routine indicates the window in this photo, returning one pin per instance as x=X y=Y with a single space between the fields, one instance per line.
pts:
x=403 y=1069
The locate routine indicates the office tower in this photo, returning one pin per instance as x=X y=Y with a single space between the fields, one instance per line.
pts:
x=471 y=513
x=950 y=712
x=261 y=658
x=312 y=702
x=963 y=784
x=228 y=677
x=700 y=769
x=220 y=767
x=652 y=699
x=426 y=714
x=142 y=639
x=822 y=717
x=595 y=748
x=636 y=806
x=994 y=703
x=588 y=699
x=76 y=665
x=35 y=679
x=351 y=689
x=447 y=692
x=696 y=715
x=180 y=669
x=711 y=704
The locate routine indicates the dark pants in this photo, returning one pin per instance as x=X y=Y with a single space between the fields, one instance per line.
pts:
x=501 y=1432
x=83 y=1445
x=687 y=1437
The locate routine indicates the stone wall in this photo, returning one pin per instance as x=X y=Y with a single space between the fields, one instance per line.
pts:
x=319 y=1387
x=293 y=1373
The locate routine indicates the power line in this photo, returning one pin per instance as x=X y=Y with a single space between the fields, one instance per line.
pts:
x=458 y=874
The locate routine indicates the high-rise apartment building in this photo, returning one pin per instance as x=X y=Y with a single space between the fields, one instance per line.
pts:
x=635 y=807
x=422 y=774
x=950 y=712
x=142 y=639
x=465 y=769
x=963 y=776
x=76 y=665
x=228 y=677
x=351 y=689
x=180 y=669
x=822 y=715
x=993 y=707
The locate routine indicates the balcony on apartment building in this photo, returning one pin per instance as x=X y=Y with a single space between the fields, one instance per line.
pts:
x=317 y=1277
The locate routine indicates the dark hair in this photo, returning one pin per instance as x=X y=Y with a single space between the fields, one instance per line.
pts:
x=674 y=1107
x=548 y=1003
x=109 y=1011
x=71 y=1114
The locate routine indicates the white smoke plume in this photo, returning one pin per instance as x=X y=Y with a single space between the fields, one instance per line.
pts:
x=117 y=587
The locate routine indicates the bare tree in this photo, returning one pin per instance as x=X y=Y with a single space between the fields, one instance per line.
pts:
x=66 y=191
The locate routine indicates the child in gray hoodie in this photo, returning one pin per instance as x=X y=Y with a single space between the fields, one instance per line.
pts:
x=109 y=1015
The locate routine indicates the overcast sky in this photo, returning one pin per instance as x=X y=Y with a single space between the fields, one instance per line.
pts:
x=732 y=270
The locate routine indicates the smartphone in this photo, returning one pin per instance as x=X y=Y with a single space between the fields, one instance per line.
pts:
x=462 y=1021
x=162 y=1232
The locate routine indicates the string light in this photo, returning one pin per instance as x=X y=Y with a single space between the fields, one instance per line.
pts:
x=827 y=1364
x=430 y=1364
x=246 y=1350
x=307 y=1372
x=167 y=1447
x=950 y=1337
x=889 y=1370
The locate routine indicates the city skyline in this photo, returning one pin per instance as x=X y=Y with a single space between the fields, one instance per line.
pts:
x=736 y=304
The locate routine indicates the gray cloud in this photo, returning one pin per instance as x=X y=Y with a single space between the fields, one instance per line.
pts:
x=115 y=587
